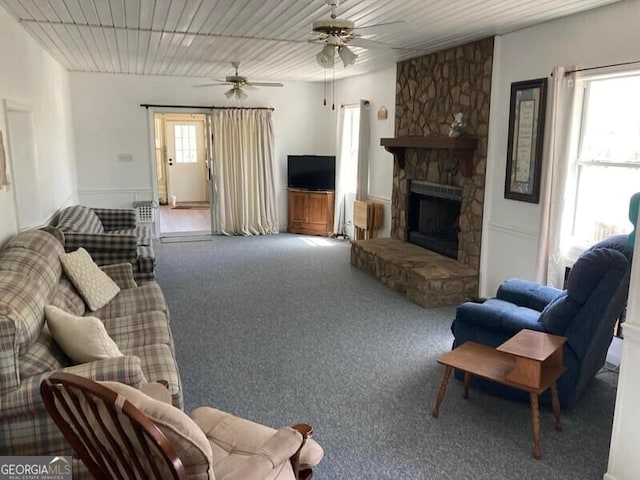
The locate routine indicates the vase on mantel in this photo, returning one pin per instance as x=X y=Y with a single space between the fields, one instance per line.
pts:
x=458 y=179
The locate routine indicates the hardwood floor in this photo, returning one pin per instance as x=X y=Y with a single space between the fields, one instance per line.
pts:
x=179 y=220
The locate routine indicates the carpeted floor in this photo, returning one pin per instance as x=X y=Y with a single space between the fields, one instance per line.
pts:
x=281 y=329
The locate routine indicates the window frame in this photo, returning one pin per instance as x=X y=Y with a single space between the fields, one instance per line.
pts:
x=578 y=244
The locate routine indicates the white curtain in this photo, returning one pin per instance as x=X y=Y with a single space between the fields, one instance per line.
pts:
x=352 y=164
x=558 y=151
x=243 y=165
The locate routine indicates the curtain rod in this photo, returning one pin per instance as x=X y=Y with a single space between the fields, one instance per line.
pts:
x=568 y=72
x=201 y=107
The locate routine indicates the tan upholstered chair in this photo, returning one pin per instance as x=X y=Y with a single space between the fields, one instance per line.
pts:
x=120 y=433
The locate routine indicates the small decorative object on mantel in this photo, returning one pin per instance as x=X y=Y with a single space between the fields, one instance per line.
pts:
x=457 y=126
x=526 y=137
x=382 y=113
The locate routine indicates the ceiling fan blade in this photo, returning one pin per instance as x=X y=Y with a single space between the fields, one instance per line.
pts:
x=374 y=45
x=230 y=93
x=264 y=84
x=366 y=43
x=211 y=84
x=382 y=28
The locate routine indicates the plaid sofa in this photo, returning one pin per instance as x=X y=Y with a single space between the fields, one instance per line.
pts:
x=110 y=235
x=137 y=319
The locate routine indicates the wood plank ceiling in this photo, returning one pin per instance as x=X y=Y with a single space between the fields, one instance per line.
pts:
x=199 y=38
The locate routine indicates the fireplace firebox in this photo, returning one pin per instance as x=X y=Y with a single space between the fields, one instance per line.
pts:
x=433 y=216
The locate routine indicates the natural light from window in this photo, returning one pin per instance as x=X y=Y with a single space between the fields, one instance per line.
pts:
x=185 y=143
x=609 y=159
x=317 y=242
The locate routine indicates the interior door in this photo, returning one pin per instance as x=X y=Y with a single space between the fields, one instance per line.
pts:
x=187 y=160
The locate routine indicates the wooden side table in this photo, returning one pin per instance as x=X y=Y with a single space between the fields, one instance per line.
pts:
x=530 y=361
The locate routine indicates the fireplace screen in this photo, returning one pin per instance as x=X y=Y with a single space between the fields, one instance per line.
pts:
x=433 y=217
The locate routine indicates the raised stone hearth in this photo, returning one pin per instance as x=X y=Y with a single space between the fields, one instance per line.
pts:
x=427 y=278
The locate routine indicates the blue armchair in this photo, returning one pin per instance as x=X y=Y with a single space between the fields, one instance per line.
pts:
x=585 y=313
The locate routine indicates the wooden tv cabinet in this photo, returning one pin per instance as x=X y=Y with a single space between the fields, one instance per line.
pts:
x=310 y=211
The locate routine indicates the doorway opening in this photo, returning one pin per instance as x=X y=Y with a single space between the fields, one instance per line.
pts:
x=183 y=174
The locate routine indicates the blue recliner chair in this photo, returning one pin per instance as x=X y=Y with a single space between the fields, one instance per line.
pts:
x=585 y=313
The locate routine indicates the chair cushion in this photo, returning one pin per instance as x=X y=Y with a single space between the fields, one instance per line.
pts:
x=95 y=286
x=139 y=330
x=559 y=314
x=186 y=438
x=143 y=298
x=79 y=219
x=233 y=439
x=83 y=339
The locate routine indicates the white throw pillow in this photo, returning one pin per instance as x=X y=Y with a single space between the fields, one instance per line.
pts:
x=83 y=339
x=95 y=286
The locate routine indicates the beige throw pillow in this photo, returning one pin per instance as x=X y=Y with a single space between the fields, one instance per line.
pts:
x=95 y=286
x=83 y=339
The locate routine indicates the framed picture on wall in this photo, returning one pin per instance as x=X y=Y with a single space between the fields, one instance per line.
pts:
x=526 y=137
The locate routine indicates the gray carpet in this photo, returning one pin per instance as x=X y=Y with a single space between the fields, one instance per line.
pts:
x=281 y=329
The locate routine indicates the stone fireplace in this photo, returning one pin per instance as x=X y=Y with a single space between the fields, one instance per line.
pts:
x=437 y=202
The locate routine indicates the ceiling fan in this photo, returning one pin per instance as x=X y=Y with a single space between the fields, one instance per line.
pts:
x=337 y=34
x=238 y=83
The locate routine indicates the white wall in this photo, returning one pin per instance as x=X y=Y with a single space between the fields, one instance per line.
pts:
x=108 y=120
x=599 y=37
x=30 y=76
x=380 y=89
x=624 y=462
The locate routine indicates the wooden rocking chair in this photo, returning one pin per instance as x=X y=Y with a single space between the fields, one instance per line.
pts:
x=122 y=433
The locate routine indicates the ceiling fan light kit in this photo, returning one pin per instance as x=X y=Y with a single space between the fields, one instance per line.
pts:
x=347 y=55
x=337 y=34
x=238 y=84
x=326 y=56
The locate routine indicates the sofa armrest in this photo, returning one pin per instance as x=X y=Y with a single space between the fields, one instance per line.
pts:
x=527 y=294
x=101 y=242
x=496 y=315
x=122 y=274
x=26 y=398
x=116 y=218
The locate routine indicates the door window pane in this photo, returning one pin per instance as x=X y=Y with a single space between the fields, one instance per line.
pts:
x=185 y=143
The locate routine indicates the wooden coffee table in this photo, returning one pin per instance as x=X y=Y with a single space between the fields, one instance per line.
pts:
x=530 y=361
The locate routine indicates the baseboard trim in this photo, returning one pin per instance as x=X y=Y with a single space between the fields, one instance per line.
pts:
x=379 y=199
x=608 y=476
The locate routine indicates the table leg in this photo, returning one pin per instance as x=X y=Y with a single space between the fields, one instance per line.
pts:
x=535 y=423
x=467 y=381
x=442 y=391
x=555 y=401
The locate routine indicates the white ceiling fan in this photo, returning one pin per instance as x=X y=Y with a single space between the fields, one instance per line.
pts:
x=338 y=34
x=238 y=83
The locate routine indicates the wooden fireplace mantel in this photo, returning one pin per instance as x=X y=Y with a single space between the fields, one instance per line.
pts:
x=461 y=147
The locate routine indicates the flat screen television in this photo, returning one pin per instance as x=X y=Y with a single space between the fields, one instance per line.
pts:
x=315 y=172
